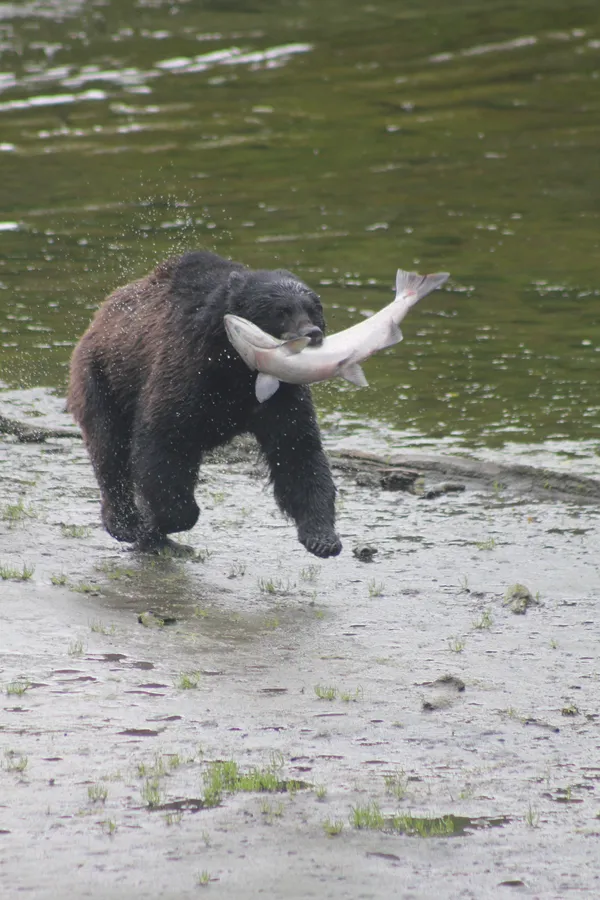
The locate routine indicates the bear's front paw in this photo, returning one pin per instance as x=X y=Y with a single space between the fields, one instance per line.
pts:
x=163 y=546
x=322 y=545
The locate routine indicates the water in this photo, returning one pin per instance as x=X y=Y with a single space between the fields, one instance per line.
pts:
x=340 y=140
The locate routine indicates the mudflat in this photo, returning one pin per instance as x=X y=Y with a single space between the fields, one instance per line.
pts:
x=418 y=718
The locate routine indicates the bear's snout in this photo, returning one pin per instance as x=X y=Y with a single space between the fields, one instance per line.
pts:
x=313 y=332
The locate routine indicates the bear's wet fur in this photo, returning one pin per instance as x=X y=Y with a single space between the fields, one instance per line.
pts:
x=155 y=384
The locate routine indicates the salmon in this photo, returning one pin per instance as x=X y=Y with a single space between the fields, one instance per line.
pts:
x=340 y=355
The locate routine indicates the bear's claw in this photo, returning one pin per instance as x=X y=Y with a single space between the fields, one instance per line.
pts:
x=323 y=546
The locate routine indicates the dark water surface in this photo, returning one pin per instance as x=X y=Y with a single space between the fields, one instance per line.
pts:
x=340 y=140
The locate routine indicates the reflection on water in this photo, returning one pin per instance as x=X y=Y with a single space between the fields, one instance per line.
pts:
x=341 y=141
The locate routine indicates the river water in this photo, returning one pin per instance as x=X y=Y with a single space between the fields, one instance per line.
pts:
x=340 y=140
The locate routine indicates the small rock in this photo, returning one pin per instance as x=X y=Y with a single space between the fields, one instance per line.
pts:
x=367 y=479
x=445 y=693
x=445 y=487
x=364 y=552
x=518 y=598
x=539 y=724
x=397 y=479
x=449 y=681
x=150 y=619
x=443 y=701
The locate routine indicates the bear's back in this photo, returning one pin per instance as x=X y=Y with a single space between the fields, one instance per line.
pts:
x=196 y=275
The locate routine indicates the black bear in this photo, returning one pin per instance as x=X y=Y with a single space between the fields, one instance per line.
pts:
x=155 y=384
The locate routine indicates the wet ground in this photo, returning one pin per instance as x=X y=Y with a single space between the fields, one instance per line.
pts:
x=424 y=738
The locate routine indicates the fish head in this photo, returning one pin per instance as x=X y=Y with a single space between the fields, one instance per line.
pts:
x=245 y=337
x=278 y=303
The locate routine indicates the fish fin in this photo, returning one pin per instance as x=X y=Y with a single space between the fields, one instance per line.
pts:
x=353 y=373
x=419 y=285
x=265 y=387
x=296 y=345
x=394 y=336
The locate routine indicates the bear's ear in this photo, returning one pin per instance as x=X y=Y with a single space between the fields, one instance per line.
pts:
x=235 y=280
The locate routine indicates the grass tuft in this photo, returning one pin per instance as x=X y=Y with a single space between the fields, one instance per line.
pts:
x=14 y=513
x=59 y=579
x=456 y=645
x=15 y=762
x=484 y=622
x=532 y=817
x=310 y=573
x=376 y=588
x=97 y=793
x=75 y=531
x=396 y=783
x=18 y=688
x=325 y=693
x=225 y=777
x=76 y=648
x=151 y=793
x=370 y=817
x=173 y=818
x=489 y=544
x=351 y=696
x=187 y=681
x=367 y=815
x=275 y=586
x=98 y=627
x=423 y=826
x=9 y=573
x=85 y=588
x=333 y=827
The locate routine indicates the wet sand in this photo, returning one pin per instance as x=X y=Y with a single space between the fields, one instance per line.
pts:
x=109 y=725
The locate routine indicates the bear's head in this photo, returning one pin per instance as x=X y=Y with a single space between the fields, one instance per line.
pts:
x=277 y=302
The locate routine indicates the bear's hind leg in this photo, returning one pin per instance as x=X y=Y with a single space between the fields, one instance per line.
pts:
x=120 y=515
x=164 y=479
x=107 y=436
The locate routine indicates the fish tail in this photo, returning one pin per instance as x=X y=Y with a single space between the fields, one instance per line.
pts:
x=418 y=285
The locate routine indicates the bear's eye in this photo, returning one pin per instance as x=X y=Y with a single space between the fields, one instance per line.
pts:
x=281 y=317
x=314 y=310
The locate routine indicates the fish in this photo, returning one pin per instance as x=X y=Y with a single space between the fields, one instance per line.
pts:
x=295 y=362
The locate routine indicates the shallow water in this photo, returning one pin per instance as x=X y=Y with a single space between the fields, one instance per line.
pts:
x=341 y=141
